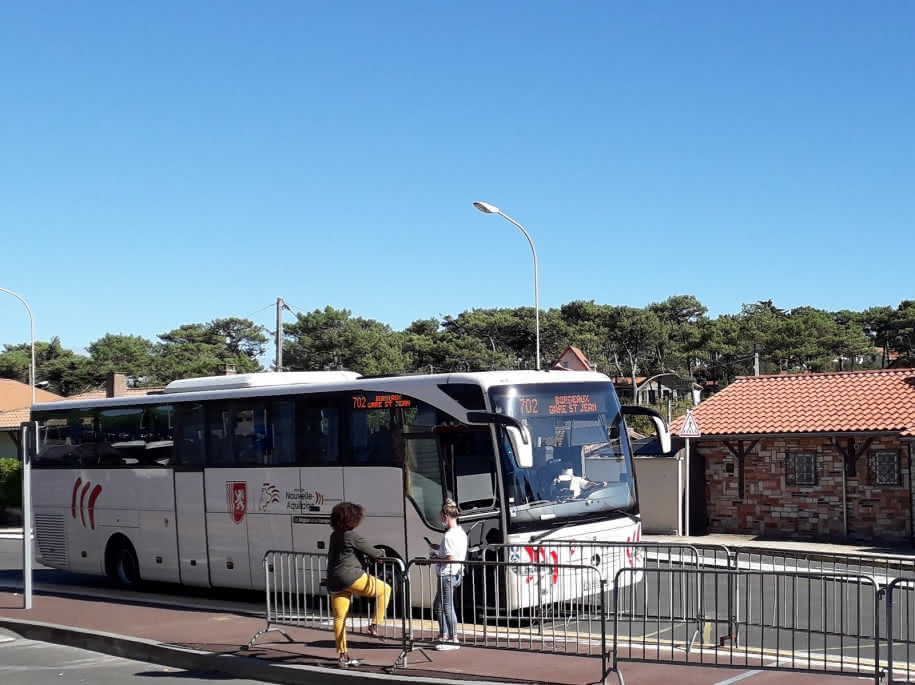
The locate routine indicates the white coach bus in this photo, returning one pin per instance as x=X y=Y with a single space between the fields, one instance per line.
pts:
x=194 y=484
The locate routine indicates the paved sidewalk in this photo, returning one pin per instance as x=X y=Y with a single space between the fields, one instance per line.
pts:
x=206 y=639
x=213 y=640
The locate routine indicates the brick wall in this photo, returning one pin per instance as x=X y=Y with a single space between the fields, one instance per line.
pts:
x=773 y=506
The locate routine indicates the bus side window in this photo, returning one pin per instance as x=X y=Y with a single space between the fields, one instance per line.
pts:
x=120 y=437
x=472 y=467
x=281 y=433
x=250 y=434
x=372 y=435
x=158 y=425
x=220 y=430
x=318 y=434
x=190 y=427
x=67 y=436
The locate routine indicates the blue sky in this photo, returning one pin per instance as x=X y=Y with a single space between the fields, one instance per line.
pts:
x=172 y=162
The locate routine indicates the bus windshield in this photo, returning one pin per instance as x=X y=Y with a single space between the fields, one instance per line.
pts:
x=582 y=468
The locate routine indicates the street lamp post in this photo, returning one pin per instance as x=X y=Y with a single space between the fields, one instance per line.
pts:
x=487 y=208
x=638 y=389
x=31 y=338
x=27 y=471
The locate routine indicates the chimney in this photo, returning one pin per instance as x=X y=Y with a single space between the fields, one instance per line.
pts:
x=115 y=385
x=228 y=369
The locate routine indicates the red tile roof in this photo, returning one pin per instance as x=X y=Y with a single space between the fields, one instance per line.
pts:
x=15 y=395
x=577 y=355
x=627 y=380
x=16 y=399
x=12 y=418
x=852 y=401
x=99 y=394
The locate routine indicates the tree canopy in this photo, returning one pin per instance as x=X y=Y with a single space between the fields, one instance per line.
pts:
x=675 y=334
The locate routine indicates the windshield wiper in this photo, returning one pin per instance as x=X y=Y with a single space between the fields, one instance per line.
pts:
x=619 y=510
x=540 y=536
x=625 y=511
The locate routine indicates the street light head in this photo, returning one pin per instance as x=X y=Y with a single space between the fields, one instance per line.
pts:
x=486 y=208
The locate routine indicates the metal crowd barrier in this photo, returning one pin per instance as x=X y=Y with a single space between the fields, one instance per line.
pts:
x=715 y=556
x=789 y=621
x=610 y=557
x=882 y=567
x=665 y=603
x=296 y=596
x=522 y=606
x=900 y=630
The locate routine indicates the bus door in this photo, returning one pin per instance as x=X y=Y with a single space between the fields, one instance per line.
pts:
x=250 y=478
x=273 y=482
x=470 y=476
x=190 y=503
x=319 y=421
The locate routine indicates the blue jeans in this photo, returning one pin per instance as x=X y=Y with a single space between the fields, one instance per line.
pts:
x=443 y=607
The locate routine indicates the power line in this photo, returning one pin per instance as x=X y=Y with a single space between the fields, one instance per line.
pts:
x=272 y=304
x=294 y=307
x=706 y=365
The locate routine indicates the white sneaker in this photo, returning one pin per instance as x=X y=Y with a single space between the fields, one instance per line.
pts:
x=447 y=646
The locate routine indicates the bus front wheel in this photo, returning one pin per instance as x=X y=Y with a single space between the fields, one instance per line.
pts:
x=121 y=563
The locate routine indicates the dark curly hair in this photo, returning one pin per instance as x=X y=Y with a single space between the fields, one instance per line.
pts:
x=346 y=516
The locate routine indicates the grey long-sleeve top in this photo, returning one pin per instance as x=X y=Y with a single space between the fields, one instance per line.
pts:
x=343 y=566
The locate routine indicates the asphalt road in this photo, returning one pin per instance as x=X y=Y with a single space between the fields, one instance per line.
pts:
x=27 y=662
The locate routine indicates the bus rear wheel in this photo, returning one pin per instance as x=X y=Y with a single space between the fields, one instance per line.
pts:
x=122 y=565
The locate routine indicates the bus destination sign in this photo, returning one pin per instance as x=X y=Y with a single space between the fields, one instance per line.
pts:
x=380 y=401
x=557 y=405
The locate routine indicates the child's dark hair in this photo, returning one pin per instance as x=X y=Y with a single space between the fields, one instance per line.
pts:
x=346 y=516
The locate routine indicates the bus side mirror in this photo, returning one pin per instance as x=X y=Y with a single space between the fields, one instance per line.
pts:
x=518 y=434
x=660 y=425
x=521 y=446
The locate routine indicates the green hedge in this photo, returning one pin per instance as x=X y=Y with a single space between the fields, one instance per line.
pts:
x=10 y=483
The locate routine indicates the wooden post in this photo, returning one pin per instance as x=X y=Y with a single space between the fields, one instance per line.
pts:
x=740 y=452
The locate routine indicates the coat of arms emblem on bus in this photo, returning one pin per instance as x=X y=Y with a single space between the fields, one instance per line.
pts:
x=237 y=499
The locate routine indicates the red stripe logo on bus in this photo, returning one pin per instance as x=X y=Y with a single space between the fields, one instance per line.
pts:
x=636 y=537
x=538 y=555
x=82 y=489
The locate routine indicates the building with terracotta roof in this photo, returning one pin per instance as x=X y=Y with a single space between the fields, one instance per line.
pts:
x=820 y=456
x=15 y=401
x=16 y=395
x=657 y=388
x=573 y=359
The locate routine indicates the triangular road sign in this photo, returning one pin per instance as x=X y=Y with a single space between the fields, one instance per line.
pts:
x=690 y=428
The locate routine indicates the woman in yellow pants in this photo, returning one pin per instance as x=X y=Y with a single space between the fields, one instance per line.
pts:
x=346 y=578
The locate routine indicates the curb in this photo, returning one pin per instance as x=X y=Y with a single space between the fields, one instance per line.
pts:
x=187 y=659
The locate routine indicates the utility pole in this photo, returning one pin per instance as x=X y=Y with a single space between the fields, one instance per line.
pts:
x=756 y=363
x=280 y=306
